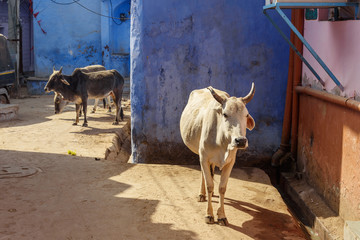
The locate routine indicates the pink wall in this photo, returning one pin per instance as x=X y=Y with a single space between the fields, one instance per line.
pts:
x=329 y=153
x=329 y=134
x=338 y=45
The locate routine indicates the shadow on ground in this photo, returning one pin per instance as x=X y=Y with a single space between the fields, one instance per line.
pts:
x=75 y=198
x=263 y=220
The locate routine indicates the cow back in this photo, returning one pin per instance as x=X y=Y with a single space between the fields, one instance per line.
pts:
x=119 y=80
x=95 y=84
x=200 y=118
x=93 y=68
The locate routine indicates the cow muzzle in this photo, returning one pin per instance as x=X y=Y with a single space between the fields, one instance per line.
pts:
x=241 y=142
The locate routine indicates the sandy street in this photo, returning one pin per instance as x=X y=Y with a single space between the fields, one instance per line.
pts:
x=48 y=194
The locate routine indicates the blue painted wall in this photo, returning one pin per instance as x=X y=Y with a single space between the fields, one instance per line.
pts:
x=72 y=39
x=76 y=37
x=115 y=35
x=179 y=46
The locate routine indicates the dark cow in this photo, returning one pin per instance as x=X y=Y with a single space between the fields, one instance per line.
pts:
x=59 y=101
x=80 y=86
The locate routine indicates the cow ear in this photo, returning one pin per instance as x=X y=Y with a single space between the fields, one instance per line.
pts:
x=250 y=123
x=65 y=82
x=60 y=71
x=216 y=96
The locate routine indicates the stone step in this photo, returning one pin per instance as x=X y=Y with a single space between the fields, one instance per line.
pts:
x=8 y=111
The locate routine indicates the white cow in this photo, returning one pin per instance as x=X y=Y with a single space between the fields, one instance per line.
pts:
x=213 y=125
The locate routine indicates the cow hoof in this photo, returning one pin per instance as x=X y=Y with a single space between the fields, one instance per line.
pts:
x=223 y=222
x=201 y=198
x=209 y=220
x=85 y=125
x=115 y=123
x=74 y=123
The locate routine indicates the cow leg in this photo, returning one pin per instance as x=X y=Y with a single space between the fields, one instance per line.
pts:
x=209 y=183
x=109 y=103
x=225 y=174
x=78 y=111
x=201 y=197
x=117 y=116
x=202 y=194
x=95 y=105
x=117 y=100
x=84 y=103
x=121 y=114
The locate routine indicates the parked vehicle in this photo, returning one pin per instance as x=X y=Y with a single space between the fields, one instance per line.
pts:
x=7 y=71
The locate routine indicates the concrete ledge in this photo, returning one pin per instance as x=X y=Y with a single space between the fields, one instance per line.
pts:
x=8 y=111
x=325 y=224
x=352 y=230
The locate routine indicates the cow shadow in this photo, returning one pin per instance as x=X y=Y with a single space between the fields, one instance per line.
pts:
x=265 y=223
x=93 y=125
x=96 y=131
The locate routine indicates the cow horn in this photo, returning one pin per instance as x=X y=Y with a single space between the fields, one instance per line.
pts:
x=53 y=68
x=216 y=96
x=65 y=82
x=60 y=70
x=250 y=95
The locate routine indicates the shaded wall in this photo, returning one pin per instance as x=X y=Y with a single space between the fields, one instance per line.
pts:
x=27 y=36
x=329 y=153
x=177 y=47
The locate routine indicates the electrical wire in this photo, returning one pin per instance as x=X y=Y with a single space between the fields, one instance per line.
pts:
x=111 y=10
x=88 y=9
x=67 y=3
x=97 y=12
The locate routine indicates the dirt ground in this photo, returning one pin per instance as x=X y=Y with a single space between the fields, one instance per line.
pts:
x=48 y=194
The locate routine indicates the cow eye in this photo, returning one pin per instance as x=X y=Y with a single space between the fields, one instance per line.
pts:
x=225 y=115
x=247 y=115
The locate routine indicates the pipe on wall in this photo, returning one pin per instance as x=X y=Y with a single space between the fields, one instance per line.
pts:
x=299 y=24
x=291 y=102
x=286 y=129
x=345 y=102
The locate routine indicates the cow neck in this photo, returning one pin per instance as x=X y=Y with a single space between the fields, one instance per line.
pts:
x=230 y=155
x=68 y=91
